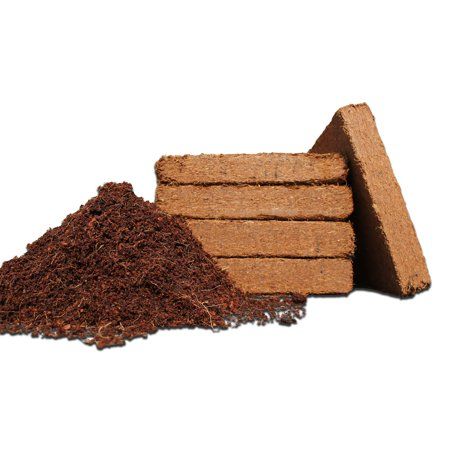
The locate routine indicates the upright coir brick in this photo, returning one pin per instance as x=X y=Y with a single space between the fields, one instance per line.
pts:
x=389 y=257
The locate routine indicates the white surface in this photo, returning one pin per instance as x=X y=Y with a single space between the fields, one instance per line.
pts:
x=95 y=91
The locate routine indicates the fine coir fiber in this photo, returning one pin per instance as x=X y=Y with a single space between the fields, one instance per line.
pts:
x=120 y=268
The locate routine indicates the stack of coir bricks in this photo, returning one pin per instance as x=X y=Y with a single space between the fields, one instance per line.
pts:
x=276 y=222
x=279 y=223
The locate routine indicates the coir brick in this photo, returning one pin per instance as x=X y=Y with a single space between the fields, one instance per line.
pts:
x=283 y=275
x=256 y=202
x=389 y=257
x=274 y=238
x=261 y=168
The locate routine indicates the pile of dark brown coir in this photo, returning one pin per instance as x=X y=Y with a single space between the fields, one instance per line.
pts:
x=120 y=268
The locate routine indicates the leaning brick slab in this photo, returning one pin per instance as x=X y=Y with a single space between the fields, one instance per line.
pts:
x=282 y=275
x=389 y=256
x=273 y=238
x=261 y=168
x=256 y=202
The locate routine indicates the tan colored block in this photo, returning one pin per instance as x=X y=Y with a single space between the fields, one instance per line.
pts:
x=282 y=275
x=274 y=238
x=256 y=202
x=261 y=168
x=389 y=257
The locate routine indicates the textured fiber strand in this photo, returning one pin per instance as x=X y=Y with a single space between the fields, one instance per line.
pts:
x=120 y=268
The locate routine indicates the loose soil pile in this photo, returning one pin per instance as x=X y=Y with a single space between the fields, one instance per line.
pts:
x=120 y=268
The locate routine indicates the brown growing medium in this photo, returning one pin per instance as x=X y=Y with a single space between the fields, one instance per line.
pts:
x=295 y=202
x=389 y=257
x=258 y=169
x=120 y=268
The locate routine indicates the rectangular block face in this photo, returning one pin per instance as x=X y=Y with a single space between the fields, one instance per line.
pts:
x=274 y=238
x=262 y=168
x=256 y=202
x=388 y=257
x=279 y=275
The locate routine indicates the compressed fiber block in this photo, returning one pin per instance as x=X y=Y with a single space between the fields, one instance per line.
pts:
x=274 y=238
x=256 y=202
x=261 y=168
x=388 y=256
x=290 y=275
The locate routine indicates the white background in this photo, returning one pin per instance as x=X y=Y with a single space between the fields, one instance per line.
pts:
x=93 y=91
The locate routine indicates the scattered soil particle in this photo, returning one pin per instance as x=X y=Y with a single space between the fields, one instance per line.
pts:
x=120 y=268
